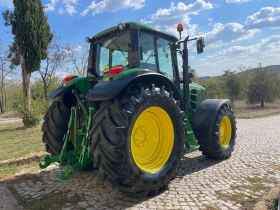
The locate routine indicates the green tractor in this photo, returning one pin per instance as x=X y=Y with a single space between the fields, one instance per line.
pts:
x=132 y=117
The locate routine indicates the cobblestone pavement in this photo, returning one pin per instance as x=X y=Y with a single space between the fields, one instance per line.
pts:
x=201 y=183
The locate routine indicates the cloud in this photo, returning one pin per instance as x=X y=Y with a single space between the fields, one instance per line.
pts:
x=70 y=9
x=267 y=47
x=177 y=13
x=167 y=19
x=112 y=6
x=50 y=6
x=66 y=6
x=6 y=3
x=60 y=11
x=267 y=17
x=226 y=33
x=236 y=1
x=70 y=1
x=79 y=48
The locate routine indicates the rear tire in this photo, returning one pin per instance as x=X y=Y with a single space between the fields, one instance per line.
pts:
x=55 y=126
x=112 y=141
x=223 y=136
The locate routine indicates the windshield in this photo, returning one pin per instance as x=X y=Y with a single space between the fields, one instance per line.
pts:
x=112 y=52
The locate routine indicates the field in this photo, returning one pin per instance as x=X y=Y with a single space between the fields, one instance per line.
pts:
x=20 y=148
x=245 y=110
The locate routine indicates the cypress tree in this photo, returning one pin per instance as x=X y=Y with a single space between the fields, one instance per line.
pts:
x=31 y=39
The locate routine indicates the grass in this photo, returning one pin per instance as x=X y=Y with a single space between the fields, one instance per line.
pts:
x=56 y=200
x=245 y=110
x=273 y=204
x=17 y=141
x=275 y=166
x=255 y=185
x=11 y=169
x=238 y=197
x=211 y=207
x=254 y=179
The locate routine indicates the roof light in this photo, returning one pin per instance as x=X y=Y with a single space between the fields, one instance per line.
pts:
x=115 y=70
x=121 y=26
x=88 y=39
x=68 y=78
x=180 y=27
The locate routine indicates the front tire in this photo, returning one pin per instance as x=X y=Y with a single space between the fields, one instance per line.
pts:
x=138 y=140
x=223 y=136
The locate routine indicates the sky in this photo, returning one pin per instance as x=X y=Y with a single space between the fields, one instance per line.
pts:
x=235 y=31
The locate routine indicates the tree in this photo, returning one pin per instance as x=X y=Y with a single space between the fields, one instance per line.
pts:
x=233 y=84
x=193 y=72
x=5 y=70
x=245 y=77
x=78 y=58
x=54 y=60
x=31 y=39
x=214 y=87
x=263 y=87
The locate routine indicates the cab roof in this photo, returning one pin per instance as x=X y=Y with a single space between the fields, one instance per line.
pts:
x=139 y=26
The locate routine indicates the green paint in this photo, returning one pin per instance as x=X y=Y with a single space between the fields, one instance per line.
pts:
x=80 y=156
x=122 y=74
x=195 y=91
x=82 y=83
x=191 y=143
x=137 y=26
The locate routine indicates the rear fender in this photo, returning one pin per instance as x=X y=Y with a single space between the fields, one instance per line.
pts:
x=109 y=89
x=63 y=95
x=204 y=118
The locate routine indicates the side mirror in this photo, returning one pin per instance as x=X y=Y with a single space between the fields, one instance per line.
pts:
x=200 y=45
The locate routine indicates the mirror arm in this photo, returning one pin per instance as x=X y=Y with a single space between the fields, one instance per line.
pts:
x=186 y=75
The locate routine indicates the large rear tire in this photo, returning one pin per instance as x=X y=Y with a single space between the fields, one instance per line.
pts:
x=138 y=140
x=55 y=126
x=223 y=136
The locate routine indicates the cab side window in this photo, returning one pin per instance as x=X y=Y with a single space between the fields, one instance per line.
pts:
x=164 y=57
x=147 y=51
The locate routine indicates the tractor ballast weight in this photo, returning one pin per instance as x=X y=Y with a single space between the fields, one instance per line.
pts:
x=132 y=116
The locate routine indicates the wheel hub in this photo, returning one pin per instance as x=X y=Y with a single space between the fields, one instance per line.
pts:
x=140 y=137
x=152 y=139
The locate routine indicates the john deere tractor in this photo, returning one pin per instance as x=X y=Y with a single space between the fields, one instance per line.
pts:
x=132 y=116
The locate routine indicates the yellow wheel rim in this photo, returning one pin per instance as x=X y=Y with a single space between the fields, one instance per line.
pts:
x=225 y=131
x=152 y=139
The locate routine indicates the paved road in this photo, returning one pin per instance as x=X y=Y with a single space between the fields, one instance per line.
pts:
x=10 y=120
x=202 y=183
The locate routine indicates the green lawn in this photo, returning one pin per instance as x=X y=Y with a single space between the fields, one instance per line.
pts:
x=17 y=142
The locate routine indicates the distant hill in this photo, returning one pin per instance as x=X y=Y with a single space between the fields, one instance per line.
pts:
x=273 y=70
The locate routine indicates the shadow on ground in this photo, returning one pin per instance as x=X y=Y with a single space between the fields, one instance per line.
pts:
x=44 y=190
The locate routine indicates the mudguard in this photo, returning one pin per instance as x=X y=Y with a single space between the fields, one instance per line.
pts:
x=204 y=118
x=107 y=90
x=62 y=94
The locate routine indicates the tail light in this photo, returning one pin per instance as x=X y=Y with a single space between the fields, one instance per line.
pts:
x=68 y=78
x=115 y=70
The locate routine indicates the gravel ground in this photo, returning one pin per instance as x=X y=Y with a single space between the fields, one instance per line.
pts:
x=10 y=120
x=202 y=183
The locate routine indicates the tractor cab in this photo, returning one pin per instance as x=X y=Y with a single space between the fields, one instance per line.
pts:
x=137 y=47
x=133 y=45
